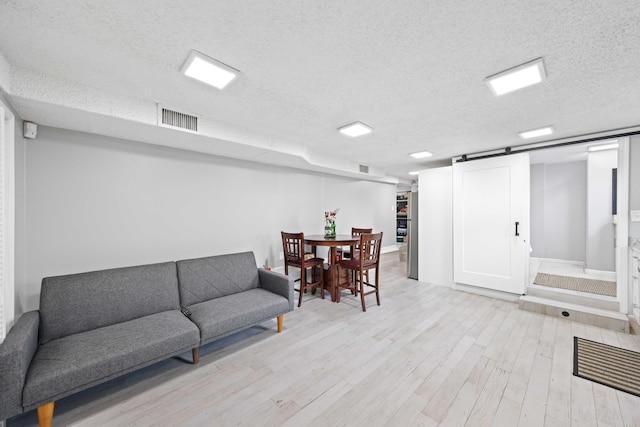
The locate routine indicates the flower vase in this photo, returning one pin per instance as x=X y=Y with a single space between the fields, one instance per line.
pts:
x=330 y=229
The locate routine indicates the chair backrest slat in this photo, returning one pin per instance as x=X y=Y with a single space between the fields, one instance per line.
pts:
x=370 y=245
x=293 y=246
x=357 y=232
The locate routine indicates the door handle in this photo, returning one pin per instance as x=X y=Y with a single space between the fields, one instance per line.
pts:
x=517 y=224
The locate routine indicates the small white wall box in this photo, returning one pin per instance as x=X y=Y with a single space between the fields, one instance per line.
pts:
x=30 y=130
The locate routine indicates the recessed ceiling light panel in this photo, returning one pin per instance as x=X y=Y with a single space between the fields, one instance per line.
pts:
x=534 y=133
x=414 y=173
x=602 y=147
x=355 y=129
x=516 y=78
x=208 y=70
x=421 y=154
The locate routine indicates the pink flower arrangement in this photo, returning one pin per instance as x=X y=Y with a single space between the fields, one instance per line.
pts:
x=330 y=216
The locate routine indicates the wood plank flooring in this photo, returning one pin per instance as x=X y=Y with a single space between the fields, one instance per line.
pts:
x=427 y=356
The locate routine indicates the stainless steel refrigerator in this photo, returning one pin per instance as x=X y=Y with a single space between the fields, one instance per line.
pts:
x=412 y=236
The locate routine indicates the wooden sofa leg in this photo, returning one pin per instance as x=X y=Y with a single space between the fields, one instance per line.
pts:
x=45 y=415
x=195 y=353
x=280 y=319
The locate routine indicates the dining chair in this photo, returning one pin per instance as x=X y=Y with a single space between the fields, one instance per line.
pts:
x=355 y=232
x=365 y=259
x=295 y=256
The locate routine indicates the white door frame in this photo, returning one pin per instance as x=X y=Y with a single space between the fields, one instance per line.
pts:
x=622 y=228
x=7 y=221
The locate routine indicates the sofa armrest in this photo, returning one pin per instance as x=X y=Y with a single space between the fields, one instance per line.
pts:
x=277 y=283
x=16 y=353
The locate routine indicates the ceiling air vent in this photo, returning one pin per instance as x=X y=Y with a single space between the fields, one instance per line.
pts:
x=176 y=120
x=364 y=169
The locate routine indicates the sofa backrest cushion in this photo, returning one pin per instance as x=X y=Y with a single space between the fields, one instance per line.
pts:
x=203 y=279
x=81 y=302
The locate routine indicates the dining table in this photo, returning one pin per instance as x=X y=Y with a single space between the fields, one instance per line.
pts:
x=315 y=240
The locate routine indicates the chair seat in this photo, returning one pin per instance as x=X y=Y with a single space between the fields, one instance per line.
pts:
x=354 y=263
x=308 y=262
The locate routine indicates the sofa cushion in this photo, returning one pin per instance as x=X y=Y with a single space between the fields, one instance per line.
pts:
x=86 y=301
x=76 y=362
x=203 y=279
x=224 y=315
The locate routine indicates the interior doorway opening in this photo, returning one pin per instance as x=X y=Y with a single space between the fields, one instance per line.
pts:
x=573 y=223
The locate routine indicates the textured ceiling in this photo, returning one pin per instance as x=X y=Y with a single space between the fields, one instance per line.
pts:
x=412 y=70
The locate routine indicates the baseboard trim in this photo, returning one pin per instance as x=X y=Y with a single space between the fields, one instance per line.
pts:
x=559 y=261
x=388 y=249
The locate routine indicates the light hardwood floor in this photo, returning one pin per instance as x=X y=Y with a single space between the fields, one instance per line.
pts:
x=427 y=356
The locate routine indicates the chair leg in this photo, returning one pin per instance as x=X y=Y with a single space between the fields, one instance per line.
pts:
x=302 y=287
x=362 y=291
x=377 y=288
x=353 y=282
x=315 y=284
x=45 y=415
x=337 y=284
x=280 y=320
x=354 y=277
x=195 y=355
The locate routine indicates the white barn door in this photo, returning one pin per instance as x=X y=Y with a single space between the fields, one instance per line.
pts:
x=491 y=223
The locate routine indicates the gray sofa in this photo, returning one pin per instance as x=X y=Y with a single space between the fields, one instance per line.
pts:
x=96 y=326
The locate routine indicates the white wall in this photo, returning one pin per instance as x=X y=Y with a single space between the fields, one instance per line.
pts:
x=600 y=250
x=536 y=214
x=565 y=211
x=571 y=211
x=435 y=213
x=93 y=202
